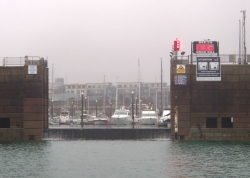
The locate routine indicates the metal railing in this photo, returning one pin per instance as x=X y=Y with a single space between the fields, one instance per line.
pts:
x=21 y=61
x=230 y=59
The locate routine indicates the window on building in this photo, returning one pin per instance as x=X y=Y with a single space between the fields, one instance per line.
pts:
x=226 y=122
x=73 y=86
x=72 y=91
x=4 y=122
x=211 y=122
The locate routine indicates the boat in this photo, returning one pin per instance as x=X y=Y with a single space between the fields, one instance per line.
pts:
x=148 y=117
x=121 y=117
x=101 y=119
x=87 y=119
x=64 y=118
x=165 y=119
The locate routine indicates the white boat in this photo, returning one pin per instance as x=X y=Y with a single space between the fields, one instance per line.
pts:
x=165 y=119
x=121 y=117
x=64 y=118
x=148 y=117
x=101 y=119
x=87 y=119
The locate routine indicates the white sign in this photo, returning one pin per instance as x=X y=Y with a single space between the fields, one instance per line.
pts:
x=208 y=69
x=32 y=69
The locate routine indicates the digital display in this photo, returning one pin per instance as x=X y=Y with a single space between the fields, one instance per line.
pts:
x=205 y=47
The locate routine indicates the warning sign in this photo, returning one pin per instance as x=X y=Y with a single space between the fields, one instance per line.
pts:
x=180 y=69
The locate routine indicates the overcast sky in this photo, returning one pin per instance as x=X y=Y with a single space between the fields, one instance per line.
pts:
x=89 y=39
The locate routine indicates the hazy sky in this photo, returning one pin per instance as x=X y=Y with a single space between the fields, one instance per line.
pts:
x=87 y=39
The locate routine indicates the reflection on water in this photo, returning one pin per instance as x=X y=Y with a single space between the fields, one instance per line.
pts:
x=159 y=158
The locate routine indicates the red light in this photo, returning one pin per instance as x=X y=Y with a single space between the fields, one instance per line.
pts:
x=176 y=45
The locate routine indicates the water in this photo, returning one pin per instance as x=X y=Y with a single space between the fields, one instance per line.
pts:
x=112 y=159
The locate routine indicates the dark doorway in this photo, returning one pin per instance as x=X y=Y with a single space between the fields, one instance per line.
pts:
x=226 y=122
x=211 y=122
x=4 y=122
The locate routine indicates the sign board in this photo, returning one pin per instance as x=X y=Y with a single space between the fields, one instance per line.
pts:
x=32 y=69
x=208 y=69
x=180 y=69
x=201 y=47
x=180 y=80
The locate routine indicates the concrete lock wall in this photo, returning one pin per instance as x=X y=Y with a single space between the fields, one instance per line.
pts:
x=194 y=104
x=24 y=102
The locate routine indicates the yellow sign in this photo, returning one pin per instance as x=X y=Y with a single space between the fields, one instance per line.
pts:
x=180 y=69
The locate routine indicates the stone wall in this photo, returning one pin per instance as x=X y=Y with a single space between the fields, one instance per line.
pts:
x=220 y=134
x=11 y=134
x=24 y=101
x=193 y=103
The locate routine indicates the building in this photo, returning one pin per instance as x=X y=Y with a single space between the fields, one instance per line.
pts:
x=23 y=98
x=204 y=106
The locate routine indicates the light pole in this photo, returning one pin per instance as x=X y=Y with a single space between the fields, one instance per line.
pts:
x=182 y=53
x=133 y=107
x=52 y=105
x=110 y=109
x=95 y=108
x=85 y=104
x=82 y=112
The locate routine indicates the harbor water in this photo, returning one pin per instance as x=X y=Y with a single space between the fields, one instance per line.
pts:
x=147 y=158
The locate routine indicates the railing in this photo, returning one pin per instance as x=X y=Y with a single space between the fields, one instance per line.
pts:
x=230 y=59
x=21 y=61
x=13 y=61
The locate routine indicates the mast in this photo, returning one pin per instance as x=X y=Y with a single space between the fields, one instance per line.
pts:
x=139 y=90
x=116 y=93
x=161 y=90
x=104 y=91
x=52 y=91
x=244 y=35
x=239 y=60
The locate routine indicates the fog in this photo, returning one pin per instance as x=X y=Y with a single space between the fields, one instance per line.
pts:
x=86 y=40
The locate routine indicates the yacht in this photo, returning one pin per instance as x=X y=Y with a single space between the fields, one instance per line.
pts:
x=101 y=119
x=148 y=117
x=64 y=117
x=165 y=119
x=121 y=117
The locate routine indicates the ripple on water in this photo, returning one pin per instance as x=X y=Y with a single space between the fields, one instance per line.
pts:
x=159 y=158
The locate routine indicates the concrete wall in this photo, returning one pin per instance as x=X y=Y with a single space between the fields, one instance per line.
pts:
x=24 y=99
x=107 y=134
x=191 y=104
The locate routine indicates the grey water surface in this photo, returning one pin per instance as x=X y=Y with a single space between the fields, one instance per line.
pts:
x=118 y=159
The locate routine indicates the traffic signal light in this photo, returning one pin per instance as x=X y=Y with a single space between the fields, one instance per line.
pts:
x=176 y=45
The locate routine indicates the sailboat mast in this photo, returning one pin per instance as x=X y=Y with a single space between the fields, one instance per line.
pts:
x=104 y=91
x=161 y=90
x=116 y=93
x=239 y=60
x=139 y=90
